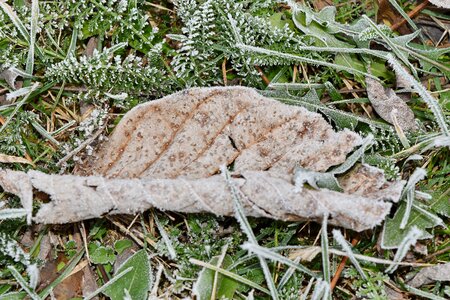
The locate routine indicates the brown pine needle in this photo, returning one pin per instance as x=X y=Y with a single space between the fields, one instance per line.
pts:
x=341 y=267
x=411 y=14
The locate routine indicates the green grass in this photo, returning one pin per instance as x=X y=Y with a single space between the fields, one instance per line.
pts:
x=141 y=50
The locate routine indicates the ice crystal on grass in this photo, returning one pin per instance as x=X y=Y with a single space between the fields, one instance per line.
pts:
x=10 y=248
x=208 y=37
x=109 y=72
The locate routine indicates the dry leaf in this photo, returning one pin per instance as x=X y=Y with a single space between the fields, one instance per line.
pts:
x=194 y=132
x=386 y=102
x=9 y=159
x=264 y=194
x=427 y=275
x=69 y=288
x=9 y=75
x=88 y=283
x=305 y=254
x=167 y=153
x=441 y=3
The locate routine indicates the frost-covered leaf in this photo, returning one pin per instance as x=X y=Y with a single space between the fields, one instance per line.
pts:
x=440 y=272
x=441 y=3
x=386 y=102
x=103 y=255
x=225 y=286
x=9 y=75
x=392 y=235
x=265 y=194
x=166 y=154
x=194 y=132
x=137 y=282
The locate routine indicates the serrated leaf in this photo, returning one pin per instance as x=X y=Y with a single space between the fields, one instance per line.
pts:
x=225 y=288
x=137 y=282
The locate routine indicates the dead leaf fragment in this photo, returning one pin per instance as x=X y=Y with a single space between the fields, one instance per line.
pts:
x=441 y=3
x=9 y=75
x=305 y=254
x=427 y=275
x=386 y=102
x=368 y=181
x=9 y=159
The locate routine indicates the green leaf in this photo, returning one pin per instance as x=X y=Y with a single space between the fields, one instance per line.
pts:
x=103 y=255
x=225 y=287
x=13 y=296
x=440 y=202
x=137 y=282
x=393 y=235
x=122 y=245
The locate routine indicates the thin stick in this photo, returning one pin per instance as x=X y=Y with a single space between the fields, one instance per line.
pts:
x=263 y=77
x=224 y=72
x=126 y=231
x=341 y=267
x=81 y=146
x=411 y=14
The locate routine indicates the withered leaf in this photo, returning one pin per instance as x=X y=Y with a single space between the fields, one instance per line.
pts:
x=167 y=153
x=441 y=3
x=9 y=159
x=194 y=132
x=9 y=75
x=386 y=103
x=440 y=272
x=264 y=194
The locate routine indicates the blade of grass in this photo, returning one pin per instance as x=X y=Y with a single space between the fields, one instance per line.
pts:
x=409 y=240
x=416 y=176
x=422 y=91
x=346 y=247
x=245 y=225
x=12 y=213
x=423 y=294
x=15 y=19
x=67 y=270
x=19 y=105
x=267 y=253
x=109 y=283
x=33 y=29
x=165 y=236
x=230 y=274
x=325 y=254
x=23 y=283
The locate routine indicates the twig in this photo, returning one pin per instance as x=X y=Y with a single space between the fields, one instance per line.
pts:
x=442 y=251
x=411 y=14
x=341 y=267
x=126 y=231
x=224 y=72
x=263 y=77
x=81 y=146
